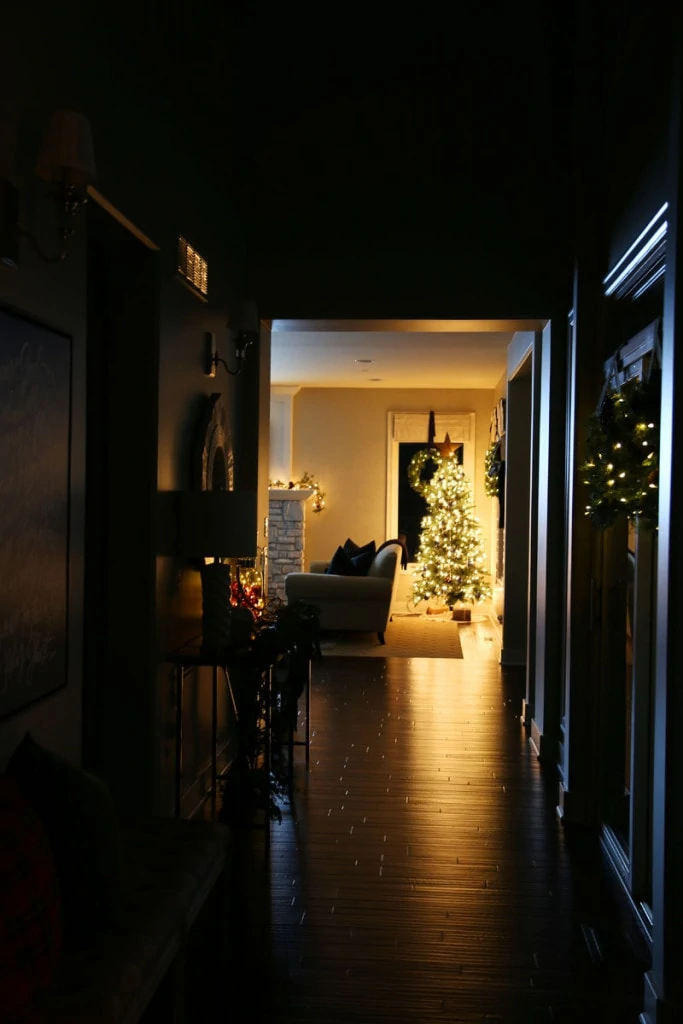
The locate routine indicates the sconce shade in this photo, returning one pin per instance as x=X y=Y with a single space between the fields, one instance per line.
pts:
x=66 y=156
x=217 y=524
x=245 y=318
x=250 y=320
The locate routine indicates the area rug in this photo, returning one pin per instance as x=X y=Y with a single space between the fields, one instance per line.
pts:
x=407 y=636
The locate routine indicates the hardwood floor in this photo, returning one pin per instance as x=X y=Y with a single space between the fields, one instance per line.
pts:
x=421 y=873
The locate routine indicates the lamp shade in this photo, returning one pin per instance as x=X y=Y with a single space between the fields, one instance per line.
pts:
x=67 y=151
x=217 y=524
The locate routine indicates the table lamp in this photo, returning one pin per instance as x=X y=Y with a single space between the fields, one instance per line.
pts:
x=219 y=526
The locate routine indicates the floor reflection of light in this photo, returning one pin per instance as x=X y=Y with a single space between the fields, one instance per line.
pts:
x=406 y=809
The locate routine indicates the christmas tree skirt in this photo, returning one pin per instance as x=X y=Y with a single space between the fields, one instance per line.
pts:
x=407 y=636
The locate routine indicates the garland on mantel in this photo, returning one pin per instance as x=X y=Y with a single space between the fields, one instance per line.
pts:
x=622 y=465
x=307 y=482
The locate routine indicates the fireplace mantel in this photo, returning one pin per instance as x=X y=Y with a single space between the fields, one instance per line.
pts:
x=289 y=493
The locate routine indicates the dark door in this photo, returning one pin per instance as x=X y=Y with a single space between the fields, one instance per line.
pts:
x=120 y=537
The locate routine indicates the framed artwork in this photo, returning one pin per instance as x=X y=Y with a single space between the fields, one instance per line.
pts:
x=35 y=449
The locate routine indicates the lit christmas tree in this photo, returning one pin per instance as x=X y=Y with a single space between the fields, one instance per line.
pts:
x=451 y=555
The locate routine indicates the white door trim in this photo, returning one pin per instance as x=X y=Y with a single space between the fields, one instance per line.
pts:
x=414 y=426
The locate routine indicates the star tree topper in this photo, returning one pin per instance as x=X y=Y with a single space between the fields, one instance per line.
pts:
x=447 y=447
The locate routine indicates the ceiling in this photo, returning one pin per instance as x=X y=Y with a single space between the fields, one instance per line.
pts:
x=404 y=354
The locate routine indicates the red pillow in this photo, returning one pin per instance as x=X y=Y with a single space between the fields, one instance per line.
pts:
x=30 y=905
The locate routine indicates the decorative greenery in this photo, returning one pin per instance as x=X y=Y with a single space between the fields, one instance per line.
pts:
x=307 y=482
x=622 y=465
x=247 y=590
x=416 y=467
x=492 y=466
x=280 y=642
x=451 y=555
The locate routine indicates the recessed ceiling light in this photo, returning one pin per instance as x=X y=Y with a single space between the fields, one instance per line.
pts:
x=364 y=360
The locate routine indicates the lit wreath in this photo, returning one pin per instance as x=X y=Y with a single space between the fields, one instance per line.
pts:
x=621 y=470
x=417 y=465
x=492 y=468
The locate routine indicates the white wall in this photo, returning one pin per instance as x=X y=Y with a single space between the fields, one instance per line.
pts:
x=340 y=437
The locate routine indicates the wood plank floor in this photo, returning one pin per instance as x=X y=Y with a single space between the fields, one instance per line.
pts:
x=421 y=873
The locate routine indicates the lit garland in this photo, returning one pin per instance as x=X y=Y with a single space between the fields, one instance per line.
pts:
x=622 y=465
x=247 y=590
x=307 y=482
x=451 y=557
x=492 y=467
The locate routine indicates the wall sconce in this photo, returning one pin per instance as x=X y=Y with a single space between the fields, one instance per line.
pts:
x=246 y=336
x=67 y=162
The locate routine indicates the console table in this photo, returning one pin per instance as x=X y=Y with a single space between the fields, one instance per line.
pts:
x=191 y=656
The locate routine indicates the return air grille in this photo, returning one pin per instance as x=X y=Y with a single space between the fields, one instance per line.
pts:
x=192 y=267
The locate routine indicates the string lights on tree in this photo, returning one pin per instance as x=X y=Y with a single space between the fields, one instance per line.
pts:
x=450 y=556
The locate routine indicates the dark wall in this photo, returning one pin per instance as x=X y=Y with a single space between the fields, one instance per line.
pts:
x=636 y=54
x=407 y=168
x=152 y=170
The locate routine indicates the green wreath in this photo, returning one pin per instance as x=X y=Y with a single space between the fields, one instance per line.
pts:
x=417 y=465
x=622 y=465
x=492 y=468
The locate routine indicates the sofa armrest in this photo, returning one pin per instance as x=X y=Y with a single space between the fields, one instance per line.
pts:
x=318 y=567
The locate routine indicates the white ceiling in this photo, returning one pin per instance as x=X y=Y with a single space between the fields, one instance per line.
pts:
x=404 y=354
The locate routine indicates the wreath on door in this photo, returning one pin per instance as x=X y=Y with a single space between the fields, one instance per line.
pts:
x=621 y=469
x=493 y=469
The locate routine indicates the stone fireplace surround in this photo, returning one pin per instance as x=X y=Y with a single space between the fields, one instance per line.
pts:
x=286 y=529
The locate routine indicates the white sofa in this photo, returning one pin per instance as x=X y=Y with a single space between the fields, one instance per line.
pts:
x=354 y=603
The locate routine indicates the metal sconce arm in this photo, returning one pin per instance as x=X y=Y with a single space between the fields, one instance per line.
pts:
x=243 y=341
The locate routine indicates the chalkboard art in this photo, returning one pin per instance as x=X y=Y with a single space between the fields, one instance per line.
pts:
x=35 y=429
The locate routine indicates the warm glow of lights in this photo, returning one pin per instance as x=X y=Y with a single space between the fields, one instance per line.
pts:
x=451 y=559
x=192 y=266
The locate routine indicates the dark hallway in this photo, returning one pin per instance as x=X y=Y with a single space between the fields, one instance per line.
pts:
x=425 y=875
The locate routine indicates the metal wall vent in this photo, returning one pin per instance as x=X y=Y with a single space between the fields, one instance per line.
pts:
x=192 y=267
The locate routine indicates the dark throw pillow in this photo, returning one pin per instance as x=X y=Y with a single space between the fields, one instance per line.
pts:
x=363 y=560
x=30 y=905
x=352 y=563
x=341 y=564
x=78 y=814
x=352 y=549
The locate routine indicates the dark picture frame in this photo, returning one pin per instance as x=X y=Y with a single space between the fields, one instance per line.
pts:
x=35 y=512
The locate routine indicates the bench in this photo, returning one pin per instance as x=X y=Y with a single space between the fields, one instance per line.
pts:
x=99 y=915
x=175 y=867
